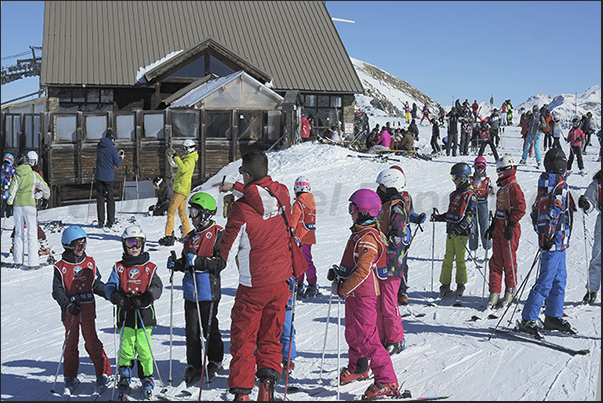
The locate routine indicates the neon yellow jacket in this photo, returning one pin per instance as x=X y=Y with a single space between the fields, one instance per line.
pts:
x=184 y=175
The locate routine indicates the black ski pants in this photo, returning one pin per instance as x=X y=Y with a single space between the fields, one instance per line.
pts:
x=434 y=144
x=464 y=146
x=490 y=142
x=104 y=193
x=452 y=142
x=214 y=346
x=577 y=150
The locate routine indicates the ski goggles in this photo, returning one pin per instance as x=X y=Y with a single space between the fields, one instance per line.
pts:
x=79 y=243
x=133 y=243
x=352 y=208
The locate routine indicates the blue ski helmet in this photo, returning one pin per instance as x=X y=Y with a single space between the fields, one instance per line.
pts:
x=460 y=170
x=70 y=234
x=8 y=157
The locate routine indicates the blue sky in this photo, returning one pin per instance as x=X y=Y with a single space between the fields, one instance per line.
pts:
x=445 y=49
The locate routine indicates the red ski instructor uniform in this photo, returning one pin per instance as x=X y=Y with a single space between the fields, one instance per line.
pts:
x=256 y=233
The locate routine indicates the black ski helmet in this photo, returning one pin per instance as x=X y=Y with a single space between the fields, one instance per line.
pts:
x=555 y=161
x=461 y=170
x=22 y=159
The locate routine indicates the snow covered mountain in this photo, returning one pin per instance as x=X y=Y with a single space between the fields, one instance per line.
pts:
x=384 y=97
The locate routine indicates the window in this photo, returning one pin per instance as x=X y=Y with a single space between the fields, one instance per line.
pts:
x=153 y=125
x=85 y=100
x=194 y=69
x=218 y=125
x=185 y=123
x=323 y=111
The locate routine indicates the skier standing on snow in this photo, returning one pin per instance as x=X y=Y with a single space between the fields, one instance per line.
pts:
x=357 y=279
x=575 y=137
x=133 y=286
x=453 y=120
x=201 y=258
x=21 y=195
x=75 y=281
x=505 y=232
x=482 y=188
x=393 y=221
x=425 y=114
x=6 y=176
x=459 y=220
x=534 y=124
x=303 y=220
x=406 y=112
x=256 y=232
x=414 y=129
x=589 y=201
x=552 y=216
x=466 y=130
x=182 y=189
x=164 y=194
x=107 y=159
x=435 y=136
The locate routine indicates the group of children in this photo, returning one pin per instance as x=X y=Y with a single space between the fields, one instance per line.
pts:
x=372 y=275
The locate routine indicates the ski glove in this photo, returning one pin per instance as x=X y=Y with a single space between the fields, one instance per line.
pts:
x=74 y=308
x=190 y=261
x=121 y=300
x=170 y=263
x=9 y=210
x=583 y=203
x=547 y=243
x=44 y=204
x=438 y=217
x=490 y=230
x=143 y=300
x=509 y=230
x=418 y=218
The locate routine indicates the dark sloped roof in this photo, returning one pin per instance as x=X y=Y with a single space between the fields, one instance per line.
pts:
x=108 y=42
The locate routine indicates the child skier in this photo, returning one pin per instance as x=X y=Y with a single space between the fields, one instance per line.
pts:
x=357 y=279
x=133 y=286
x=6 y=176
x=393 y=220
x=76 y=280
x=482 y=188
x=459 y=220
x=201 y=257
x=303 y=219
x=505 y=231
x=552 y=216
x=590 y=201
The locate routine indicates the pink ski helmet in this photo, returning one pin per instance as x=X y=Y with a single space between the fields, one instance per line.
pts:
x=480 y=161
x=365 y=201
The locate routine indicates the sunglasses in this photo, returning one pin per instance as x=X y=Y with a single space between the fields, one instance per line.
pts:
x=134 y=243
x=241 y=170
x=194 y=212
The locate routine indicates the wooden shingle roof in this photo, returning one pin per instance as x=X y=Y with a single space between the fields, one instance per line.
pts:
x=105 y=43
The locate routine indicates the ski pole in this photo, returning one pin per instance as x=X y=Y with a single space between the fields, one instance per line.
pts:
x=173 y=254
x=291 y=330
x=196 y=294
x=516 y=297
x=435 y=211
x=62 y=354
x=324 y=345
x=338 y=345
x=477 y=265
x=118 y=354
x=209 y=322
x=144 y=329
x=586 y=253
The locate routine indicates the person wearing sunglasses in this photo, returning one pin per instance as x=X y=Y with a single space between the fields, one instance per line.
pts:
x=133 y=286
x=201 y=258
x=76 y=280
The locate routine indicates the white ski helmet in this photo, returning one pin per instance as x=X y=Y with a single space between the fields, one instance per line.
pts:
x=133 y=232
x=189 y=145
x=302 y=185
x=504 y=163
x=33 y=157
x=392 y=178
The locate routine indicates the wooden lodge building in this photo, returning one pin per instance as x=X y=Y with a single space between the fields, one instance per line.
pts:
x=230 y=75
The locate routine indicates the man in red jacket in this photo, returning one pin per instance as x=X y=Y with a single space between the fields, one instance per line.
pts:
x=256 y=232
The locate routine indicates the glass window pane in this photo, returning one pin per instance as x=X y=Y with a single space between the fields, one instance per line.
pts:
x=185 y=124
x=195 y=69
x=336 y=102
x=68 y=108
x=65 y=128
x=65 y=96
x=79 y=96
x=96 y=127
x=93 y=96
x=310 y=100
x=106 y=96
x=219 y=68
x=323 y=100
x=274 y=125
x=153 y=126
x=250 y=125
x=124 y=126
x=218 y=125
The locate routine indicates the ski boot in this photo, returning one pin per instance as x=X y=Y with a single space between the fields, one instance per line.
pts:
x=508 y=298
x=191 y=375
x=553 y=323
x=299 y=290
x=213 y=368
x=44 y=248
x=493 y=300
x=589 y=298
x=379 y=389
x=125 y=376
x=530 y=327
x=460 y=290
x=268 y=378
x=147 y=387
x=167 y=241
x=101 y=384
x=311 y=291
x=288 y=366
x=241 y=394
x=402 y=299
x=361 y=372
x=444 y=290
x=70 y=385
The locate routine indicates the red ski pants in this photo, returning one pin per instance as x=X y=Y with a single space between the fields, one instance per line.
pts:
x=389 y=320
x=86 y=320
x=503 y=258
x=257 y=319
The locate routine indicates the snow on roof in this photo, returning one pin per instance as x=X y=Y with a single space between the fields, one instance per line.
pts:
x=142 y=70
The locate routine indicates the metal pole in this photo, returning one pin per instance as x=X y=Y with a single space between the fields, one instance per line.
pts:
x=324 y=345
x=62 y=354
x=151 y=350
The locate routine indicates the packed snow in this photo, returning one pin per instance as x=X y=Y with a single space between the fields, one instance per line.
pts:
x=447 y=353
